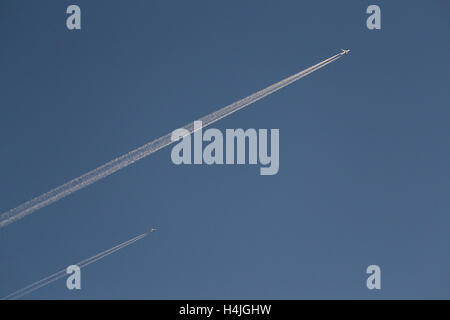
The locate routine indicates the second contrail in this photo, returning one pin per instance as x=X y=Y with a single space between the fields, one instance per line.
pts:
x=147 y=149
x=62 y=273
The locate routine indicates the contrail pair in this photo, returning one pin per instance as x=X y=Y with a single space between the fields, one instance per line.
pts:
x=147 y=149
x=62 y=273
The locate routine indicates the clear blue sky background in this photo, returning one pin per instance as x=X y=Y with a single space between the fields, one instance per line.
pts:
x=364 y=148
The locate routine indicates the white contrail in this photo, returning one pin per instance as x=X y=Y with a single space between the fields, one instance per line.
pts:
x=147 y=149
x=62 y=273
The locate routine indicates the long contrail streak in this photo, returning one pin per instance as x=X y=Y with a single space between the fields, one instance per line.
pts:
x=62 y=273
x=147 y=149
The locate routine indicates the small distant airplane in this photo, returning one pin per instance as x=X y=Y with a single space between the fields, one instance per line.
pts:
x=345 y=51
x=153 y=230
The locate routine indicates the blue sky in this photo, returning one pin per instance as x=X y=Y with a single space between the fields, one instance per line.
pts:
x=364 y=148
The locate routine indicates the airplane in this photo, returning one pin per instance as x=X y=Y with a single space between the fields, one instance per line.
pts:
x=153 y=230
x=345 y=51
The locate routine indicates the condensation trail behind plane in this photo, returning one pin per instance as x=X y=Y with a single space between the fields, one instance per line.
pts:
x=147 y=149
x=62 y=273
